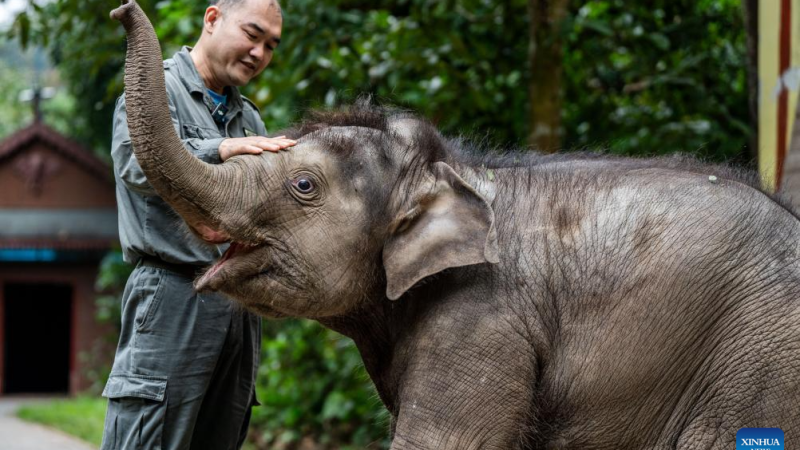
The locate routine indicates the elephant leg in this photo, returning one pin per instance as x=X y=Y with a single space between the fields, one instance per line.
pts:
x=462 y=416
x=454 y=397
x=770 y=404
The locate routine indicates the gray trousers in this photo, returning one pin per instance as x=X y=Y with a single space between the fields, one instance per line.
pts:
x=184 y=372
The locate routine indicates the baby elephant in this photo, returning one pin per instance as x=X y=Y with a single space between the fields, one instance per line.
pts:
x=567 y=301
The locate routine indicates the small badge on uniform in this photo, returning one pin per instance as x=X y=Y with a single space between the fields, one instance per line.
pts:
x=218 y=114
x=248 y=133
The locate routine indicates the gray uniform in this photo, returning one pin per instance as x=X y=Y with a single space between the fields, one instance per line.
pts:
x=185 y=367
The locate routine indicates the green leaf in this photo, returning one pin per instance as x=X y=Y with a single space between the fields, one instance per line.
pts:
x=598 y=26
x=660 y=40
x=23 y=26
x=337 y=406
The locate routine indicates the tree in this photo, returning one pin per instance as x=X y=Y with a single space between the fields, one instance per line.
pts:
x=22 y=71
x=637 y=79
x=750 y=12
x=13 y=116
x=547 y=34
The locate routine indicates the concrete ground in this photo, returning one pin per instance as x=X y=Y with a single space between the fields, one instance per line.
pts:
x=16 y=434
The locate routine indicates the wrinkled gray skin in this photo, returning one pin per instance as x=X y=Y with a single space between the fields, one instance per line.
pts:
x=566 y=301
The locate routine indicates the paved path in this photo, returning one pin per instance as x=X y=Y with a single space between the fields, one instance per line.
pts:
x=16 y=434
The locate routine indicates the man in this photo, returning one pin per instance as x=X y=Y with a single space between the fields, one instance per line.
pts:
x=186 y=363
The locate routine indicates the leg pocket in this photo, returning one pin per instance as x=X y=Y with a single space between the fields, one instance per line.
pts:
x=151 y=283
x=136 y=410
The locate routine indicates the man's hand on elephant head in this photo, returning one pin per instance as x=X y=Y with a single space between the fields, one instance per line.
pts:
x=253 y=145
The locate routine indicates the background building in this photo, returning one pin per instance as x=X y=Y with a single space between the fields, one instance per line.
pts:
x=58 y=219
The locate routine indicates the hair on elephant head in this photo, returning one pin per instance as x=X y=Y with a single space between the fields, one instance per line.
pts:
x=364 y=205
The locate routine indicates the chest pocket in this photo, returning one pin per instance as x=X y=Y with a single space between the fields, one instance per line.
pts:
x=197 y=132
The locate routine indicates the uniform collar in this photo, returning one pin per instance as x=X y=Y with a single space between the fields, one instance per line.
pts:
x=194 y=83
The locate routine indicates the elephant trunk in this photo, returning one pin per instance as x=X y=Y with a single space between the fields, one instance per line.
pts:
x=189 y=185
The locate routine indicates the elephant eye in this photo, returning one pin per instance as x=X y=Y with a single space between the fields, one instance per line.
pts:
x=303 y=185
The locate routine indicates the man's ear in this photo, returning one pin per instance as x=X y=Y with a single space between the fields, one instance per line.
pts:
x=449 y=225
x=211 y=18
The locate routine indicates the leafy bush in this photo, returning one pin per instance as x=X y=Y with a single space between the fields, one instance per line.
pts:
x=657 y=77
x=313 y=387
x=110 y=283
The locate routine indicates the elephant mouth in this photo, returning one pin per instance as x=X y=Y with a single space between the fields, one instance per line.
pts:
x=225 y=267
x=210 y=234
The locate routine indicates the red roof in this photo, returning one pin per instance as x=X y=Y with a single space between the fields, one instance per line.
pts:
x=57 y=142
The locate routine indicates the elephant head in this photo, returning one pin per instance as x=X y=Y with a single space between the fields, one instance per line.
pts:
x=363 y=207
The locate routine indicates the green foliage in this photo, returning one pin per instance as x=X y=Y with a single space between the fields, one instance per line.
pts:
x=110 y=283
x=89 y=50
x=658 y=77
x=461 y=63
x=312 y=385
x=20 y=71
x=12 y=116
x=82 y=417
x=639 y=78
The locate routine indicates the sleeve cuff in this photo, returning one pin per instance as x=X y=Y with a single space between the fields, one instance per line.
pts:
x=207 y=149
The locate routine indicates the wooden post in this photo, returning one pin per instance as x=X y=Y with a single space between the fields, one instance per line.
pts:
x=778 y=77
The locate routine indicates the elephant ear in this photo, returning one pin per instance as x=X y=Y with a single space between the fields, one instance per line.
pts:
x=450 y=225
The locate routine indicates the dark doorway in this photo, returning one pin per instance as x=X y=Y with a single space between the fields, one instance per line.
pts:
x=37 y=337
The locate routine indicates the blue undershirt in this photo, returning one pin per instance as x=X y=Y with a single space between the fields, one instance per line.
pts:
x=217 y=98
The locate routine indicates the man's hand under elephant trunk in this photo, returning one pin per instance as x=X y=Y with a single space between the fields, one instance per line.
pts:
x=518 y=302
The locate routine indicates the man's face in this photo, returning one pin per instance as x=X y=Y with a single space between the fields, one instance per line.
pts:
x=242 y=38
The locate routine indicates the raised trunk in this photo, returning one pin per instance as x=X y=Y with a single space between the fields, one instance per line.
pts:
x=189 y=185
